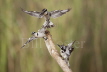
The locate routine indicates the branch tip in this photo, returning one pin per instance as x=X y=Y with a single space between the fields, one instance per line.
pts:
x=47 y=32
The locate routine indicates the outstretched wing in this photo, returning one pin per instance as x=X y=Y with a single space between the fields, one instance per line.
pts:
x=70 y=48
x=33 y=13
x=58 y=13
x=71 y=44
x=29 y=40
x=62 y=47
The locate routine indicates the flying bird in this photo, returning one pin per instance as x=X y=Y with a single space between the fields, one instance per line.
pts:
x=36 y=35
x=66 y=51
x=44 y=13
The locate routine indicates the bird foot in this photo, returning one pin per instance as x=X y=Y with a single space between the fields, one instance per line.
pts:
x=45 y=38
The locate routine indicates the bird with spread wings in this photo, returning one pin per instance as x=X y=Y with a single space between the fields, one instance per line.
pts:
x=47 y=15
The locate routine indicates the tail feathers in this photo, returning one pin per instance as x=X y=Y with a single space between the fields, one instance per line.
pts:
x=67 y=62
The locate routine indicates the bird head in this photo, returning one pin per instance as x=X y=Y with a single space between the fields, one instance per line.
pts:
x=43 y=11
x=33 y=33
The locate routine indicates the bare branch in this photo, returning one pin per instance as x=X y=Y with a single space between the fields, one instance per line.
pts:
x=53 y=52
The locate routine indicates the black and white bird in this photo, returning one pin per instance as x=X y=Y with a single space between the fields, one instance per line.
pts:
x=47 y=15
x=66 y=51
x=36 y=35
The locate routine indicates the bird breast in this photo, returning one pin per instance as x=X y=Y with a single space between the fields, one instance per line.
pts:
x=40 y=35
x=64 y=55
x=46 y=16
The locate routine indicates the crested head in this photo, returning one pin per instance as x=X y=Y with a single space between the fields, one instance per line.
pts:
x=44 y=10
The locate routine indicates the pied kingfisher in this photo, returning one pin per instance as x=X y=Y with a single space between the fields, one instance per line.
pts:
x=39 y=34
x=44 y=13
x=66 y=51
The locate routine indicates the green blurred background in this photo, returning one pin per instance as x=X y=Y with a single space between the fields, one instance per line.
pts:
x=86 y=23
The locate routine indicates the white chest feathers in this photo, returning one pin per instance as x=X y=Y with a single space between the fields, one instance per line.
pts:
x=39 y=35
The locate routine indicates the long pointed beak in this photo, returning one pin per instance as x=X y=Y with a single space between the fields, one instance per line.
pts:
x=58 y=45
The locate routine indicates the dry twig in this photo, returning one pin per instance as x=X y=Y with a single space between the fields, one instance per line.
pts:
x=53 y=52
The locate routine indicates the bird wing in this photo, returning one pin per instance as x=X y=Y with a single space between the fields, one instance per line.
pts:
x=29 y=40
x=70 y=48
x=70 y=44
x=33 y=13
x=58 y=13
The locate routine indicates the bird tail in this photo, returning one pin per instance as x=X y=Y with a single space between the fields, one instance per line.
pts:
x=67 y=62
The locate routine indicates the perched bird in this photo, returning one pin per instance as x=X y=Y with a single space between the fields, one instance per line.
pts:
x=44 y=13
x=39 y=34
x=66 y=52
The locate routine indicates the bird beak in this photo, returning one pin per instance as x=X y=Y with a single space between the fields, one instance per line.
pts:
x=58 y=45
